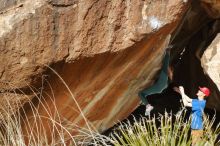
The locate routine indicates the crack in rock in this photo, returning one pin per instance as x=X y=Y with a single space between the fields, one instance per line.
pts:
x=62 y=5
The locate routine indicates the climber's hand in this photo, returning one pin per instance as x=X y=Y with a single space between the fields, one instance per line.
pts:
x=181 y=89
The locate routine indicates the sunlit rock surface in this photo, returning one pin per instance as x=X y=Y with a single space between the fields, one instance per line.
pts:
x=210 y=62
x=105 y=51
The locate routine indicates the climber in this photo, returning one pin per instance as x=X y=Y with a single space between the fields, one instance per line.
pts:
x=162 y=82
x=198 y=106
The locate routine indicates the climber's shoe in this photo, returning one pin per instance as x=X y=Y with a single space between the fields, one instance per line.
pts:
x=149 y=108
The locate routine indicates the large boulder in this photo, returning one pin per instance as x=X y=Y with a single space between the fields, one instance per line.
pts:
x=211 y=65
x=85 y=61
x=105 y=51
x=210 y=60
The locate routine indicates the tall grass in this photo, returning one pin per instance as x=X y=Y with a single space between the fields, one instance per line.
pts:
x=48 y=129
x=167 y=130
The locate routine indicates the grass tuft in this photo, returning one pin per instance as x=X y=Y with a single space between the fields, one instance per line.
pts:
x=167 y=130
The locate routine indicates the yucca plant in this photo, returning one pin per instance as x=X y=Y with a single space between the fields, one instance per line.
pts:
x=167 y=130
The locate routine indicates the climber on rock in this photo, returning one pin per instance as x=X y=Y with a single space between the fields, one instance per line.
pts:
x=198 y=106
x=162 y=82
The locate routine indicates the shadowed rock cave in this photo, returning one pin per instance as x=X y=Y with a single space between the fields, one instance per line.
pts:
x=188 y=44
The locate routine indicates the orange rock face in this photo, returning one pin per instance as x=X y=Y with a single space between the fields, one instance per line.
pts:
x=105 y=51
